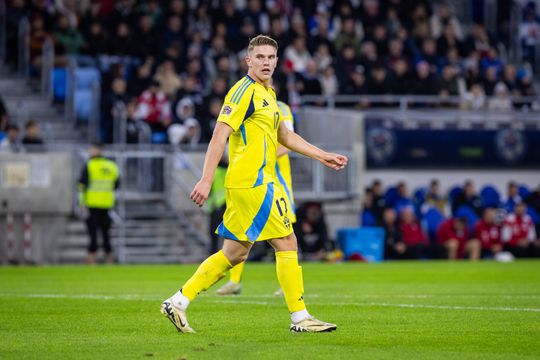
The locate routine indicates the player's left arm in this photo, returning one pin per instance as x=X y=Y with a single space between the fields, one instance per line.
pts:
x=295 y=142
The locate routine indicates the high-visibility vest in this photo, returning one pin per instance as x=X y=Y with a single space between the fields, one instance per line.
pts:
x=102 y=176
x=217 y=191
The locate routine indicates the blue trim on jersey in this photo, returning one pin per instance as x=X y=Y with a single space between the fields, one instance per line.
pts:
x=236 y=99
x=287 y=190
x=260 y=176
x=237 y=91
x=243 y=131
x=251 y=108
x=260 y=220
x=226 y=233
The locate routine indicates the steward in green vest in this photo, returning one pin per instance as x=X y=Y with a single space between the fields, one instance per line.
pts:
x=97 y=183
x=216 y=204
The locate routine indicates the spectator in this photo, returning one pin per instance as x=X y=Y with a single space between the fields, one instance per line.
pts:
x=298 y=54
x=490 y=80
x=142 y=79
x=146 y=37
x=122 y=43
x=311 y=231
x=449 y=83
x=468 y=197
x=11 y=142
x=519 y=234
x=308 y=83
x=443 y=18
x=424 y=82
x=434 y=198
x=513 y=197
x=509 y=79
x=96 y=40
x=114 y=103
x=323 y=57
x=329 y=82
x=379 y=200
x=529 y=33
x=379 y=81
x=168 y=79
x=501 y=101
x=32 y=136
x=187 y=134
x=533 y=200
x=154 y=108
x=415 y=240
x=475 y=99
x=489 y=233
x=68 y=38
x=453 y=235
x=348 y=37
x=401 y=78
x=394 y=248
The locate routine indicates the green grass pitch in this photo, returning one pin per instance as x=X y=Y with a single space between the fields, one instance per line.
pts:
x=406 y=310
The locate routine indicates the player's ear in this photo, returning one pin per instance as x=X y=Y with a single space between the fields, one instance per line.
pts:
x=248 y=59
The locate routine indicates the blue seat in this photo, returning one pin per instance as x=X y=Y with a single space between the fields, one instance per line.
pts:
x=431 y=220
x=403 y=203
x=420 y=195
x=534 y=215
x=523 y=191
x=86 y=77
x=368 y=242
x=83 y=103
x=453 y=193
x=59 y=77
x=469 y=214
x=159 y=138
x=490 y=196
x=391 y=196
x=367 y=218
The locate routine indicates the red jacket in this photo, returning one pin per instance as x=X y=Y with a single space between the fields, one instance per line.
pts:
x=517 y=228
x=447 y=231
x=412 y=234
x=488 y=234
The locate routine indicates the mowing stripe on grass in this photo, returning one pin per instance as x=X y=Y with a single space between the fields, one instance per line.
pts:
x=135 y=297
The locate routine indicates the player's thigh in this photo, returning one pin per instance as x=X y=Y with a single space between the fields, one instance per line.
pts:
x=286 y=243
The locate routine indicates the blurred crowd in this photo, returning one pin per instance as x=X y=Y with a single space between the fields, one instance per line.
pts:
x=459 y=224
x=171 y=62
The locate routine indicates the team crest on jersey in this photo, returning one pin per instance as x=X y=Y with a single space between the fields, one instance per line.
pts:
x=226 y=110
x=286 y=222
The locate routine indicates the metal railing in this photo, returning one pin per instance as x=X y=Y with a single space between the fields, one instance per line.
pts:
x=47 y=66
x=405 y=102
x=69 y=102
x=23 y=65
x=95 y=114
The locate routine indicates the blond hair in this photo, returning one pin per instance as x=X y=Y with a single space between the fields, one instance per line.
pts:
x=261 y=40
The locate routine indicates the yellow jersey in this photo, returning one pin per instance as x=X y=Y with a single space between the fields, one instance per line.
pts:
x=251 y=110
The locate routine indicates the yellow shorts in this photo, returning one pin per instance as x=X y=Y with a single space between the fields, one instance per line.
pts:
x=256 y=214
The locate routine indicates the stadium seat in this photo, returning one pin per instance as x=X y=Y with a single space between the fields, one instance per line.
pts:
x=367 y=218
x=490 y=196
x=83 y=104
x=524 y=191
x=368 y=242
x=535 y=216
x=159 y=138
x=59 y=78
x=453 y=193
x=391 y=196
x=431 y=221
x=469 y=214
x=86 y=77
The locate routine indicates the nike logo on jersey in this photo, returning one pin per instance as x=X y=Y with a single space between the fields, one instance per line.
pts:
x=265 y=103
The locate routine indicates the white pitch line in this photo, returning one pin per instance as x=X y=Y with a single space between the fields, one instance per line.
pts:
x=240 y=300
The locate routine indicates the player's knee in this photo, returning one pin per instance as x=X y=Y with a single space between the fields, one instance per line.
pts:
x=287 y=243
x=452 y=244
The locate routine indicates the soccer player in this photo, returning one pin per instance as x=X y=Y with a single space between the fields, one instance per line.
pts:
x=256 y=209
x=283 y=172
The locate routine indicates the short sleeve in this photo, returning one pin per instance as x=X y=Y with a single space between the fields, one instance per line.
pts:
x=235 y=107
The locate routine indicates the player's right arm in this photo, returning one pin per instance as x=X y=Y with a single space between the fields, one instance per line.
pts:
x=216 y=147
